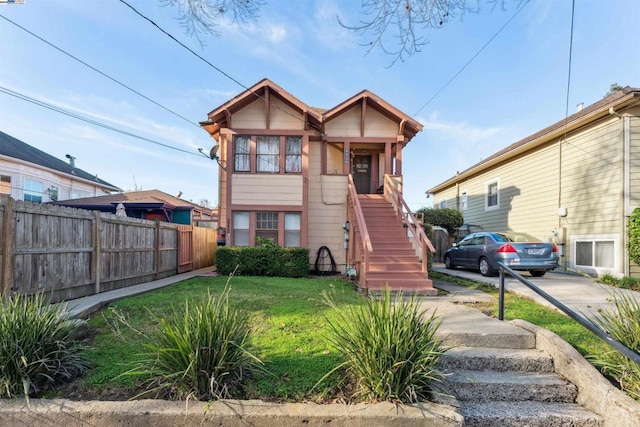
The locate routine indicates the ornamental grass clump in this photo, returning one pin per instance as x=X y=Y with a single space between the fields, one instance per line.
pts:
x=201 y=352
x=39 y=346
x=622 y=322
x=390 y=348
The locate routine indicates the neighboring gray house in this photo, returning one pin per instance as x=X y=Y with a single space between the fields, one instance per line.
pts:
x=575 y=183
x=27 y=173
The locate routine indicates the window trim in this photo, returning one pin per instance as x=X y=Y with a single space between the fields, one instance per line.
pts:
x=281 y=167
x=33 y=194
x=464 y=200
x=593 y=238
x=487 y=186
x=442 y=204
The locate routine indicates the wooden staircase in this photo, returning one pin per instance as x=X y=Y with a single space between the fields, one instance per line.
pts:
x=393 y=262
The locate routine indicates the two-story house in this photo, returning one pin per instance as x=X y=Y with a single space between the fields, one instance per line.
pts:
x=27 y=173
x=575 y=183
x=308 y=177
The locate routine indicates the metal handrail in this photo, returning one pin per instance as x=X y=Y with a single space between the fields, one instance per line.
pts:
x=408 y=218
x=608 y=339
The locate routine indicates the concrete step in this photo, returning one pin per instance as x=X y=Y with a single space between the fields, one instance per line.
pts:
x=495 y=359
x=510 y=386
x=528 y=414
x=409 y=286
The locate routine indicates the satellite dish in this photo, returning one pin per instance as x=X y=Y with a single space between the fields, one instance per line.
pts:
x=213 y=154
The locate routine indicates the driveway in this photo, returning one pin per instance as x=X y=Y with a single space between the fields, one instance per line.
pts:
x=581 y=294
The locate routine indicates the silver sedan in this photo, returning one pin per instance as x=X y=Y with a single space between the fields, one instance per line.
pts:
x=520 y=251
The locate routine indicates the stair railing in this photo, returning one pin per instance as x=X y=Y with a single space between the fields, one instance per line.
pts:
x=419 y=239
x=360 y=247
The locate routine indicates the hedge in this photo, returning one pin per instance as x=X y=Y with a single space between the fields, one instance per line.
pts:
x=263 y=261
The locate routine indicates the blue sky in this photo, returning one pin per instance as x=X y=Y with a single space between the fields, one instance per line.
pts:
x=515 y=87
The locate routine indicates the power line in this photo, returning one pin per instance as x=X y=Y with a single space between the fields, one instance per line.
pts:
x=100 y=72
x=91 y=121
x=207 y=61
x=472 y=58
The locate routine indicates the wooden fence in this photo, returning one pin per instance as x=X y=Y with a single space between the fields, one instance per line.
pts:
x=70 y=253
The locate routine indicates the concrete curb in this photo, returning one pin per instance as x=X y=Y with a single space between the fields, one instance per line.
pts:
x=230 y=413
x=594 y=391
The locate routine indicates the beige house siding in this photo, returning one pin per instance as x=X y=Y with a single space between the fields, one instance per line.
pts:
x=327 y=209
x=634 y=160
x=283 y=116
x=264 y=189
x=252 y=116
x=377 y=125
x=346 y=124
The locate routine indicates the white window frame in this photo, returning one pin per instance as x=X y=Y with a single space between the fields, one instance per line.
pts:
x=487 y=186
x=236 y=224
x=464 y=200
x=593 y=238
x=292 y=229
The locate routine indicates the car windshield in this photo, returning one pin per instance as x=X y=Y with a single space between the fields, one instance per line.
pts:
x=514 y=238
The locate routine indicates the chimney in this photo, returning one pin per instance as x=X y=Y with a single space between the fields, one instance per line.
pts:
x=579 y=107
x=72 y=160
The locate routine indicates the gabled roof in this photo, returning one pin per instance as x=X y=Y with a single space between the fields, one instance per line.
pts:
x=16 y=149
x=261 y=90
x=620 y=99
x=147 y=197
x=410 y=129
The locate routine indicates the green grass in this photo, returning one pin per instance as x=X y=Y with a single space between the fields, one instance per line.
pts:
x=289 y=330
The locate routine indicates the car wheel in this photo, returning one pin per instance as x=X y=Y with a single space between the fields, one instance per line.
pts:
x=448 y=263
x=485 y=267
x=537 y=273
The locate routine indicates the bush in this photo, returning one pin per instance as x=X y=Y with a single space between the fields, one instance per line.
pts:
x=622 y=322
x=201 y=352
x=449 y=219
x=389 y=349
x=38 y=346
x=634 y=236
x=632 y=283
x=266 y=260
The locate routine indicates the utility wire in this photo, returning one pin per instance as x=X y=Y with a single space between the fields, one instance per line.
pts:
x=100 y=72
x=91 y=121
x=207 y=61
x=472 y=58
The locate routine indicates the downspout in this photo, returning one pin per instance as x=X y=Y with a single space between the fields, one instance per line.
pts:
x=626 y=189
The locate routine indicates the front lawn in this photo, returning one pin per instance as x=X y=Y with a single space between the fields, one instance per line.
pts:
x=289 y=334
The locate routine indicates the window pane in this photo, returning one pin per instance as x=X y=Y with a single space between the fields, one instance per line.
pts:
x=266 y=221
x=604 y=254
x=268 y=154
x=292 y=230
x=242 y=154
x=492 y=194
x=5 y=184
x=584 y=253
x=292 y=221
x=241 y=228
x=293 y=158
x=463 y=204
x=292 y=239
x=33 y=191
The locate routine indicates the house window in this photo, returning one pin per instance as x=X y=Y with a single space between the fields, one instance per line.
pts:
x=293 y=154
x=33 y=191
x=5 y=184
x=464 y=202
x=595 y=253
x=493 y=195
x=241 y=228
x=443 y=204
x=53 y=193
x=242 y=154
x=267 y=225
x=292 y=230
x=268 y=154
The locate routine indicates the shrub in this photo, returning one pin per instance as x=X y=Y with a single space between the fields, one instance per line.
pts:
x=634 y=236
x=449 y=219
x=38 y=346
x=622 y=322
x=632 y=283
x=266 y=260
x=389 y=349
x=201 y=352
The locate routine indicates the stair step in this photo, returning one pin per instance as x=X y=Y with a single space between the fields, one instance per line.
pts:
x=530 y=414
x=397 y=275
x=395 y=266
x=495 y=359
x=510 y=386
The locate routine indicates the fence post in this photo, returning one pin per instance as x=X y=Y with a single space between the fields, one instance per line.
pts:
x=157 y=250
x=501 y=296
x=7 y=263
x=95 y=263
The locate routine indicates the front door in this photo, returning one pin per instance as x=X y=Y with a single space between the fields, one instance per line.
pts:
x=362 y=174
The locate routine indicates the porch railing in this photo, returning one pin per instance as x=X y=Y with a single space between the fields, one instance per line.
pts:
x=419 y=239
x=360 y=243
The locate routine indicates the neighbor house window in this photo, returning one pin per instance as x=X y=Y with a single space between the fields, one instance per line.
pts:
x=493 y=195
x=464 y=202
x=293 y=154
x=443 y=204
x=292 y=230
x=595 y=253
x=242 y=154
x=241 y=228
x=33 y=191
x=5 y=184
x=268 y=153
x=267 y=225
x=53 y=193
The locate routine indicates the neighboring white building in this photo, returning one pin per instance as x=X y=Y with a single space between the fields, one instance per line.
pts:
x=27 y=173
